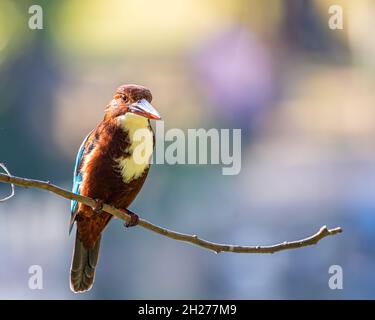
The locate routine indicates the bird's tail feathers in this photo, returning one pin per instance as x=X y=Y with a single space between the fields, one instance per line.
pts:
x=82 y=272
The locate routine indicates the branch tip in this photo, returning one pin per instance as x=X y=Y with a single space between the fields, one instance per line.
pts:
x=3 y=166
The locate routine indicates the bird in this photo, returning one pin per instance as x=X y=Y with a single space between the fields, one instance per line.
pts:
x=109 y=169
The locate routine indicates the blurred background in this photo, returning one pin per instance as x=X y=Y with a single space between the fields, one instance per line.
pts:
x=302 y=94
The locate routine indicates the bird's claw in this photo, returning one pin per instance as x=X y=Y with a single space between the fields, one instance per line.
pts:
x=134 y=218
x=98 y=208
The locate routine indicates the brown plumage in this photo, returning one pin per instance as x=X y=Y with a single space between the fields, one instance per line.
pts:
x=103 y=179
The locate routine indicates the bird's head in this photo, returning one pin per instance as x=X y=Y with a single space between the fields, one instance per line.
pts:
x=134 y=99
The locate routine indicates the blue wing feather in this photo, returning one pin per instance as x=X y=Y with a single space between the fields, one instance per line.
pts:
x=77 y=180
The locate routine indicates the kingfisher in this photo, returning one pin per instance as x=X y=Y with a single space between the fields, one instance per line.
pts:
x=111 y=169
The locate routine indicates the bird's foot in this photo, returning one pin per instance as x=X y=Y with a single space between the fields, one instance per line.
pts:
x=98 y=208
x=133 y=219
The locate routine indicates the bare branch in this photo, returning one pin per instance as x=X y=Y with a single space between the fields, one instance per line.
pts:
x=216 y=247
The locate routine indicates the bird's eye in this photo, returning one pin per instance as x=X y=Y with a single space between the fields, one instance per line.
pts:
x=124 y=98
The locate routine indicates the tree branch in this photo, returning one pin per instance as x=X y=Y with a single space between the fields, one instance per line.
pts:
x=216 y=247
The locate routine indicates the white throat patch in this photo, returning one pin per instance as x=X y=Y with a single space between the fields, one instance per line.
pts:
x=140 y=148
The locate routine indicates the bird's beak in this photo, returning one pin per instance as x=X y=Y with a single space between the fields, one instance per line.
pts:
x=144 y=109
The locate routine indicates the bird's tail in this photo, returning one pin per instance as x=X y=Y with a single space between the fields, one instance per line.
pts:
x=84 y=262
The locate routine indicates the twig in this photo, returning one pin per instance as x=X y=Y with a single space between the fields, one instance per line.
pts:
x=2 y=165
x=216 y=247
